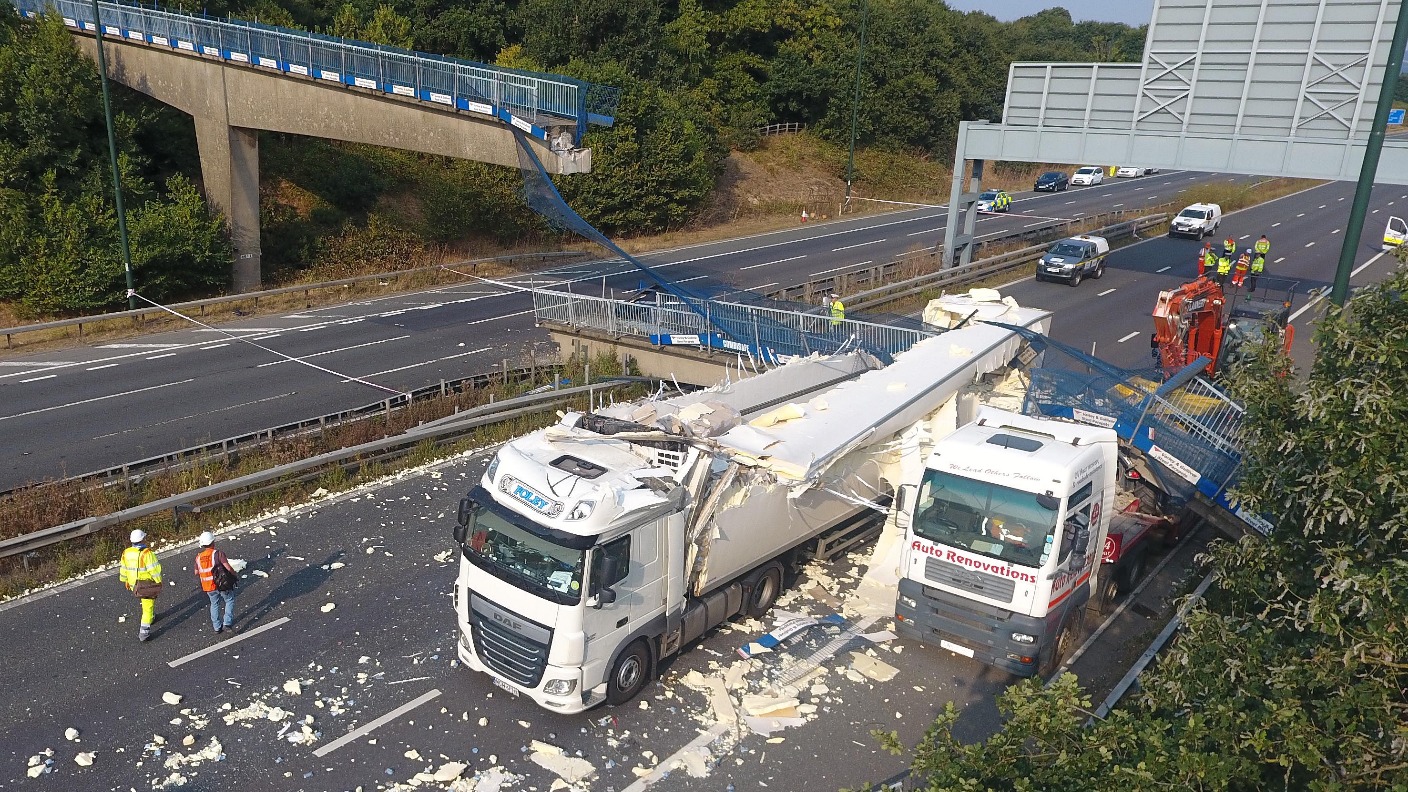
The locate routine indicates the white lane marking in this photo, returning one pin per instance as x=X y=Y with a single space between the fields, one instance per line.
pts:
x=918 y=233
x=1078 y=214
x=105 y=365
x=1244 y=236
x=159 y=357
x=30 y=363
x=214 y=346
x=1192 y=178
x=1302 y=214
x=1336 y=231
x=311 y=327
x=768 y=263
x=340 y=349
x=1279 y=260
x=1118 y=205
x=368 y=728
x=766 y=285
x=351 y=321
x=1322 y=295
x=858 y=244
x=139 y=346
x=1321 y=206
x=224 y=644
x=1310 y=244
x=1037 y=223
x=94 y=399
x=1103 y=293
x=191 y=416
x=1163 y=269
x=36 y=379
x=705 y=737
x=1126 y=338
x=425 y=362
x=1376 y=211
x=1273 y=225
x=497 y=318
x=255 y=330
x=695 y=278
x=271 y=335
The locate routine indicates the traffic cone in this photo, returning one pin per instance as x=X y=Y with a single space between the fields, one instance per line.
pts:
x=804 y=215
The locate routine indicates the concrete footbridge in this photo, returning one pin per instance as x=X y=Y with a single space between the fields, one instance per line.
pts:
x=236 y=77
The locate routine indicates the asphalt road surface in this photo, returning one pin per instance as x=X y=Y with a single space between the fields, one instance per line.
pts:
x=346 y=629
x=90 y=408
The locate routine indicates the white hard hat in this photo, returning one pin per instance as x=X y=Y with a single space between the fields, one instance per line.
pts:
x=206 y=539
x=138 y=536
x=836 y=296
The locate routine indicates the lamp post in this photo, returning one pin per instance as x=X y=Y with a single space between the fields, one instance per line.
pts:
x=112 y=155
x=1372 y=148
x=855 y=101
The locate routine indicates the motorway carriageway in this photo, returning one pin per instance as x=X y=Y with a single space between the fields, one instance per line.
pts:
x=90 y=408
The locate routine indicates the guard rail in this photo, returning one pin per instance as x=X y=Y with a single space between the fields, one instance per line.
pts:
x=140 y=315
x=190 y=502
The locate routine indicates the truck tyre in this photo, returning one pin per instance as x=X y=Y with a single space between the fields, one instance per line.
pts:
x=629 y=674
x=1066 y=639
x=1075 y=279
x=1103 y=600
x=1099 y=271
x=1132 y=572
x=763 y=591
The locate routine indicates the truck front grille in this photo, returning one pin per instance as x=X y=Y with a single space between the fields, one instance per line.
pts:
x=516 y=656
x=955 y=576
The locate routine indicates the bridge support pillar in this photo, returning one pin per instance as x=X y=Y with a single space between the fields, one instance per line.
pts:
x=229 y=165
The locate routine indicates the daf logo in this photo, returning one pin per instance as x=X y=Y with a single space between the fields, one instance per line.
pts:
x=512 y=624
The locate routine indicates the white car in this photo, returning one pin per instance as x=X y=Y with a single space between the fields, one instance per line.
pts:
x=1198 y=220
x=1087 y=176
x=1131 y=170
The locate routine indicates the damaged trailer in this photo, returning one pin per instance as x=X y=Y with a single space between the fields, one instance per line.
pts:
x=594 y=548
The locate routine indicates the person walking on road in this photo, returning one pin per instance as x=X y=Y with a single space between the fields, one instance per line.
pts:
x=1224 y=267
x=140 y=572
x=217 y=579
x=838 y=310
x=1206 y=260
x=1262 y=246
x=1229 y=247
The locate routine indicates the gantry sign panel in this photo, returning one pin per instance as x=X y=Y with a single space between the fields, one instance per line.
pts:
x=1272 y=87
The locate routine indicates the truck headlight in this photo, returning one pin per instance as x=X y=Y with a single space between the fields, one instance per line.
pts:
x=493 y=469
x=582 y=510
x=1023 y=638
x=908 y=602
x=560 y=687
x=464 y=640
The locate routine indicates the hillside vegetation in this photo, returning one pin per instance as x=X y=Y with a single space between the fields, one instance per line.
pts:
x=698 y=80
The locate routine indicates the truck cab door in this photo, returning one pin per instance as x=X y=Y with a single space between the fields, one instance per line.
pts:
x=606 y=619
x=1395 y=233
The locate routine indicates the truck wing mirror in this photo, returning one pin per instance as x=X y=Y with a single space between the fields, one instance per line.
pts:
x=1082 y=541
x=462 y=516
x=903 y=497
x=1048 y=501
x=460 y=530
x=605 y=597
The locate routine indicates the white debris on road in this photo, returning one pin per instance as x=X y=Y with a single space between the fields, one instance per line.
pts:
x=70 y=734
x=171 y=698
x=213 y=752
x=294 y=687
x=328 y=607
x=84 y=759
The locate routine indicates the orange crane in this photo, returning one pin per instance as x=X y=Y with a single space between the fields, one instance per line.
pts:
x=1188 y=323
x=1194 y=320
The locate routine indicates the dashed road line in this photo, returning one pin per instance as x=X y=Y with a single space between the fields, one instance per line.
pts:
x=1103 y=293
x=1310 y=244
x=1273 y=225
x=1126 y=338
x=858 y=244
x=1163 y=269
x=769 y=263
x=159 y=357
x=36 y=379
x=213 y=346
x=368 y=728
x=1279 y=260
x=104 y=366
x=95 y=399
x=225 y=644
x=1336 y=231
x=331 y=351
x=423 y=362
x=497 y=318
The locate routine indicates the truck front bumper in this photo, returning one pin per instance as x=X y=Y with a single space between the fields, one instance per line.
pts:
x=575 y=701
x=969 y=628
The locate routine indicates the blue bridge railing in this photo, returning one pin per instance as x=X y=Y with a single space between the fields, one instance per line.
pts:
x=527 y=100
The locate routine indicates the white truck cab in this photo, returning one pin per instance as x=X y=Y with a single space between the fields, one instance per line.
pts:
x=1395 y=233
x=1198 y=220
x=1002 y=537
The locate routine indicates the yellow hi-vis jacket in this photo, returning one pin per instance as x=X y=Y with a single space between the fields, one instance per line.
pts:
x=139 y=563
x=1258 y=264
x=838 y=311
x=1262 y=246
x=1224 y=265
x=1209 y=260
x=1229 y=246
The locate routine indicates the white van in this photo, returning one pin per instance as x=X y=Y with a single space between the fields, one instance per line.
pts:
x=1395 y=233
x=1198 y=220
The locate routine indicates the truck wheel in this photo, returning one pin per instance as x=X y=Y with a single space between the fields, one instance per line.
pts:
x=629 y=675
x=1132 y=573
x=1065 y=642
x=1075 y=279
x=1104 y=599
x=1099 y=271
x=766 y=586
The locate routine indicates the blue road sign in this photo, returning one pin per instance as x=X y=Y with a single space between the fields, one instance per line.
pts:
x=1395 y=116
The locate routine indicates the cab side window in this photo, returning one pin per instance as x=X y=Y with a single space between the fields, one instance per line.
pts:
x=619 y=549
x=1077 y=519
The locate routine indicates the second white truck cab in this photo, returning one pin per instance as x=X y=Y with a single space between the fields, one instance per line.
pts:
x=1003 y=539
x=1198 y=220
x=1073 y=259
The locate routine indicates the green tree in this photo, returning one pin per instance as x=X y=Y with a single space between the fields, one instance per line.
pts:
x=1290 y=674
x=388 y=27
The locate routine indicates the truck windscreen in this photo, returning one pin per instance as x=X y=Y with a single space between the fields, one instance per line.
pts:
x=989 y=519
x=523 y=558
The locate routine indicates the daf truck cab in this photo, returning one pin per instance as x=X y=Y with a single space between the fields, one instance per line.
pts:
x=1003 y=539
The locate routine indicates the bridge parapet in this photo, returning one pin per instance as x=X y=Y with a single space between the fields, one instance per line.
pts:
x=529 y=101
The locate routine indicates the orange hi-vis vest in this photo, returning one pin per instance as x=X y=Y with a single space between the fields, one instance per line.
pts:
x=205 y=567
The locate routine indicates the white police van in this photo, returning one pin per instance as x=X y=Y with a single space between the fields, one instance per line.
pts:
x=1072 y=259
